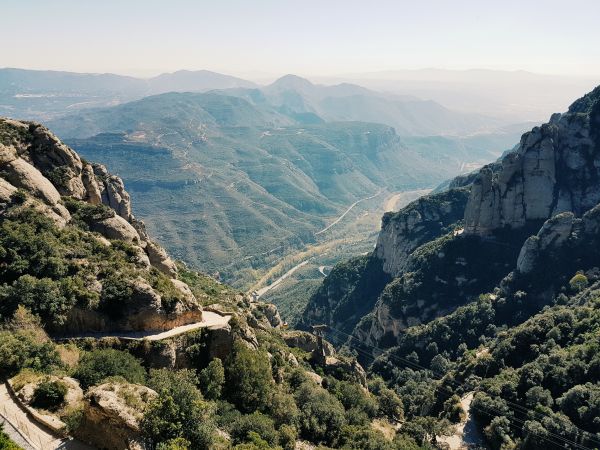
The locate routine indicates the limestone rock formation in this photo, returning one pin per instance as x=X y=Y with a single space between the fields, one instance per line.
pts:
x=556 y=168
x=306 y=341
x=112 y=413
x=422 y=220
x=38 y=171
x=159 y=259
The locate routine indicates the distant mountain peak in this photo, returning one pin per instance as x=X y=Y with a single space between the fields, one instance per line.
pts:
x=291 y=81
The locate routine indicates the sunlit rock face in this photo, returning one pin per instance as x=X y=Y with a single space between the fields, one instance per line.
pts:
x=556 y=168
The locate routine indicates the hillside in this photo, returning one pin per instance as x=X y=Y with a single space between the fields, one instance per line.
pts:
x=107 y=342
x=465 y=285
x=230 y=186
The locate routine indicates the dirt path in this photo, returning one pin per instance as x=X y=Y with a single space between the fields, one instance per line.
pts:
x=347 y=211
x=209 y=320
x=30 y=433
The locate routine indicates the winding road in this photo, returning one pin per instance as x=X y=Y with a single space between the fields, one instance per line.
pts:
x=347 y=211
x=278 y=281
x=26 y=432
x=209 y=320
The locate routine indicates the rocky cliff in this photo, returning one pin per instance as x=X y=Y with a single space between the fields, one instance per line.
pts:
x=85 y=206
x=419 y=222
x=556 y=168
x=512 y=225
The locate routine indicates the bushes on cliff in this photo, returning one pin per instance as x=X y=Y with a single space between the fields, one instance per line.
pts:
x=212 y=379
x=98 y=365
x=178 y=412
x=249 y=380
x=49 y=395
x=24 y=345
x=322 y=416
x=256 y=423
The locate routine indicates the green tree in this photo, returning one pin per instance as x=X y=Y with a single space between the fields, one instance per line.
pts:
x=97 y=365
x=578 y=283
x=212 y=379
x=49 y=395
x=257 y=423
x=179 y=411
x=283 y=408
x=322 y=416
x=453 y=409
x=249 y=381
x=390 y=405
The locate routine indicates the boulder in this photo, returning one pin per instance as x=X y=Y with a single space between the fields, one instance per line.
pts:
x=306 y=341
x=160 y=259
x=112 y=414
x=420 y=221
x=116 y=228
x=23 y=175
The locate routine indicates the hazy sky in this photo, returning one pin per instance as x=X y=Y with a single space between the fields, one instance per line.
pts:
x=307 y=37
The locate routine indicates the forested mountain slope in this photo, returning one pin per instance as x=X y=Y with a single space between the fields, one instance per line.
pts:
x=81 y=283
x=508 y=263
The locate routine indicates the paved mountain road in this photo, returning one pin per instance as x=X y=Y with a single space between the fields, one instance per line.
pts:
x=209 y=320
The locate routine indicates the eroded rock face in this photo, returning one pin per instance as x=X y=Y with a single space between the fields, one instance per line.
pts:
x=110 y=420
x=306 y=341
x=160 y=259
x=556 y=168
x=419 y=222
x=116 y=228
x=554 y=232
x=38 y=171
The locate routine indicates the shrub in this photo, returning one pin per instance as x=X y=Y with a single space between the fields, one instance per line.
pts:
x=212 y=379
x=287 y=437
x=49 y=395
x=321 y=414
x=257 y=423
x=179 y=411
x=579 y=282
x=5 y=442
x=26 y=348
x=98 y=365
x=174 y=444
x=283 y=409
x=249 y=381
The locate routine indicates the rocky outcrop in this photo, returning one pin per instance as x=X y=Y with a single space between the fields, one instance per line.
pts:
x=38 y=171
x=554 y=232
x=306 y=341
x=556 y=168
x=564 y=233
x=264 y=316
x=160 y=259
x=112 y=414
x=419 y=222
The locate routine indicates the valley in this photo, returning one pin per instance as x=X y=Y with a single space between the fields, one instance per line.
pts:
x=354 y=235
x=234 y=186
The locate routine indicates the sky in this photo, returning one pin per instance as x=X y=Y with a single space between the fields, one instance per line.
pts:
x=256 y=38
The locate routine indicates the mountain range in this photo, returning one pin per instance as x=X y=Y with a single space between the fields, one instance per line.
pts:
x=236 y=177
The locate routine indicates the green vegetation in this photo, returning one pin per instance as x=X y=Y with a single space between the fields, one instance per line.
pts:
x=97 y=365
x=5 y=442
x=49 y=395
x=275 y=183
x=249 y=380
